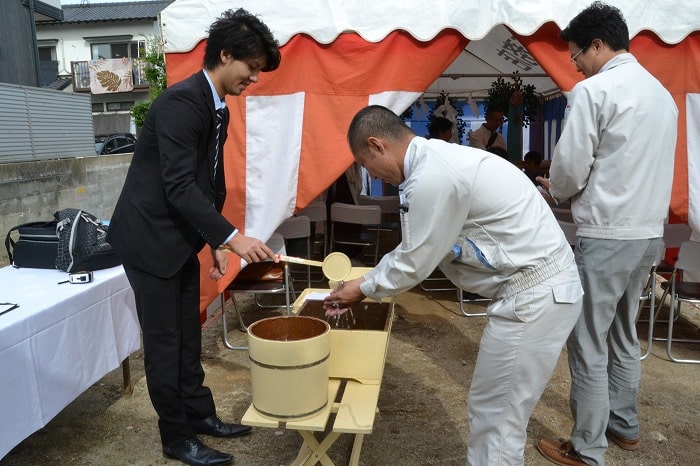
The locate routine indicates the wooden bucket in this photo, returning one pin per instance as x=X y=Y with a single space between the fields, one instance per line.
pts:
x=289 y=366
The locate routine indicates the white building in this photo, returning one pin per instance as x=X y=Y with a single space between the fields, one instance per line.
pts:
x=69 y=50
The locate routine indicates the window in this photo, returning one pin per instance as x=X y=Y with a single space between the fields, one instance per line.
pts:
x=116 y=106
x=98 y=107
x=137 y=48
x=47 y=49
x=114 y=143
x=130 y=49
x=47 y=53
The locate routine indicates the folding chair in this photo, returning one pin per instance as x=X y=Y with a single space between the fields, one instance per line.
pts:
x=569 y=230
x=649 y=295
x=441 y=281
x=443 y=284
x=675 y=234
x=255 y=279
x=317 y=211
x=683 y=291
x=474 y=298
x=563 y=214
x=369 y=216
x=391 y=219
x=296 y=232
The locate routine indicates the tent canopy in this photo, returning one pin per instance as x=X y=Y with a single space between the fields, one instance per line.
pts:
x=492 y=50
x=499 y=53
x=185 y=22
x=287 y=133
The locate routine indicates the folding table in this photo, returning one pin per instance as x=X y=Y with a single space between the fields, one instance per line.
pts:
x=60 y=340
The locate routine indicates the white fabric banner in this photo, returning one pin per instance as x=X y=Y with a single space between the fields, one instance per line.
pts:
x=692 y=115
x=112 y=75
x=273 y=145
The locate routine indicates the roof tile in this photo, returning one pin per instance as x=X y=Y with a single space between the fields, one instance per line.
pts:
x=111 y=11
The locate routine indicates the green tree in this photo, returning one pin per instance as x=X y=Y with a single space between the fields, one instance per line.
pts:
x=154 y=72
x=502 y=93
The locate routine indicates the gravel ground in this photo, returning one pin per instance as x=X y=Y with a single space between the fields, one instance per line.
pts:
x=422 y=404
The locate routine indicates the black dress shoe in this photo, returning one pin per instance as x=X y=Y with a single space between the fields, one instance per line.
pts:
x=193 y=452
x=218 y=428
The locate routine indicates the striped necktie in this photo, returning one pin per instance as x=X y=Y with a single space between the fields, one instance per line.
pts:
x=219 y=121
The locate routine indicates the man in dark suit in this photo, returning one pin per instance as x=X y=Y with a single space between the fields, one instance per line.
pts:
x=168 y=210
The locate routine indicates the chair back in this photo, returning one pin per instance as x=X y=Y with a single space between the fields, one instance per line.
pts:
x=294 y=230
x=562 y=214
x=391 y=218
x=689 y=257
x=676 y=234
x=295 y=227
x=357 y=214
x=368 y=217
x=316 y=211
x=569 y=230
x=388 y=204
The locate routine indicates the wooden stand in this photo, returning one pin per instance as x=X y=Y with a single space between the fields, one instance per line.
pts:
x=352 y=398
x=354 y=414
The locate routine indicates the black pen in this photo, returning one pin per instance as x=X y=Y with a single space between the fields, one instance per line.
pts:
x=14 y=306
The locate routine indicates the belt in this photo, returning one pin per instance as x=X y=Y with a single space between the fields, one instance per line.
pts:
x=527 y=278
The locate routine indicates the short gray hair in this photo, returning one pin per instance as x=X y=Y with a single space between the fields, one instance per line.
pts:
x=375 y=120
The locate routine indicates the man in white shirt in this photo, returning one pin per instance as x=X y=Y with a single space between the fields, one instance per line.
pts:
x=619 y=134
x=482 y=221
x=487 y=135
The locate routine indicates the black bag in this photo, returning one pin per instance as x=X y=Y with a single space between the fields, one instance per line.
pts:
x=36 y=246
x=81 y=242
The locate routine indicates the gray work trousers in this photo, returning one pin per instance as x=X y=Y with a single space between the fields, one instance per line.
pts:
x=519 y=349
x=603 y=348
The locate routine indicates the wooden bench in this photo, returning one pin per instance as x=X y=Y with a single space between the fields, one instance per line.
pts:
x=354 y=411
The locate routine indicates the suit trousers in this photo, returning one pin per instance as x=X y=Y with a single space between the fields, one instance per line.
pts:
x=603 y=348
x=168 y=311
x=519 y=349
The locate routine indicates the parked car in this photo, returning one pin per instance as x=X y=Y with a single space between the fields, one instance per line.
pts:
x=115 y=144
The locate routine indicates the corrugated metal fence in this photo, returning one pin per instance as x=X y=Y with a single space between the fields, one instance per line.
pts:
x=42 y=124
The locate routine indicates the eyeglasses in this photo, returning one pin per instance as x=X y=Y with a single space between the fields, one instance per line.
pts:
x=575 y=56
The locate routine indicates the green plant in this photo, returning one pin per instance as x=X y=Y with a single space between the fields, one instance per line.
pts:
x=139 y=111
x=154 y=72
x=502 y=93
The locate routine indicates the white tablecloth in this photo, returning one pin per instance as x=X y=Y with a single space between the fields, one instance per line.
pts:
x=58 y=342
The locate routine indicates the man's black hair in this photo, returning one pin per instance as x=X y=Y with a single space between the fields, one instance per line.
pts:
x=438 y=125
x=534 y=157
x=242 y=36
x=598 y=21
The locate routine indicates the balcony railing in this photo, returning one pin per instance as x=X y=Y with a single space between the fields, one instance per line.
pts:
x=81 y=75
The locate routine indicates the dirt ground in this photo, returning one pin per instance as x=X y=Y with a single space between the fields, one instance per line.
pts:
x=422 y=404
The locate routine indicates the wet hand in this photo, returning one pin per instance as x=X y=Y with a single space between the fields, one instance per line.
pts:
x=343 y=297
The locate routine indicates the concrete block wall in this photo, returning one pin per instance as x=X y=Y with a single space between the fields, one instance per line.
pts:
x=33 y=191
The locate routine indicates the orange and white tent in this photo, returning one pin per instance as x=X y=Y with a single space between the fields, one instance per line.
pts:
x=287 y=133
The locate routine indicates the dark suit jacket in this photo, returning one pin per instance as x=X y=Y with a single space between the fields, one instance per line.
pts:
x=170 y=204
